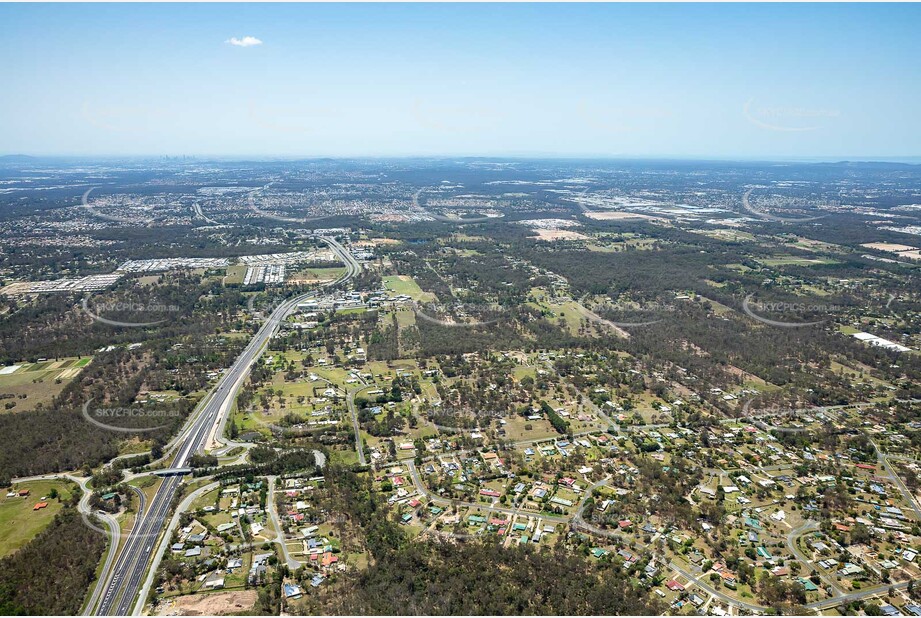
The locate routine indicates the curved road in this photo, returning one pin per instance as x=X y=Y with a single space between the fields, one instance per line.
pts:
x=353 y=411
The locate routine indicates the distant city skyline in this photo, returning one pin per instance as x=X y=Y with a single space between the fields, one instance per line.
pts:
x=724 y=81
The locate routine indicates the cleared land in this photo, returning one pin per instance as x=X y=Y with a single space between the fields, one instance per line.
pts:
x=316 y=275
x=31 y=384
x=552 y=235
x=616 y=216
x=20 y=522
x=886 y=246
x=404 y=284
x=793 y=260
x=216 y=604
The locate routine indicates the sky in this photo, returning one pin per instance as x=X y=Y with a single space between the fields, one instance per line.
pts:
x=836 y=81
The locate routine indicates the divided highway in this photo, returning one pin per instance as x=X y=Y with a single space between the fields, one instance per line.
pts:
x=122 y=586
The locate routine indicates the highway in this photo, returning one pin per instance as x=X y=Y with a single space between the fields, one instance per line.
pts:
x=204 y=428
x=165 y=540
x=112 y=531
x=116 y=535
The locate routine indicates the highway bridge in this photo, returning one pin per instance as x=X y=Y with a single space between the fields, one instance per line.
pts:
x=122 y=584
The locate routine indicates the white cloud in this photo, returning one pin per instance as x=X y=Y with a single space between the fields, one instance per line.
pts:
x=247 y=41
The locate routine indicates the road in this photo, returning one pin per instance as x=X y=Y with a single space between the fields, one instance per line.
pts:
x=165 y=540
x=276 y=523
x=906 y=494
x=353 y=411
x=86 y=511
x=111 y=552
x=806 y=528
x=204 y=428
x=422 y=489
x=114 y=534
x=856 y=596
x=198 y=212
x=579 y=522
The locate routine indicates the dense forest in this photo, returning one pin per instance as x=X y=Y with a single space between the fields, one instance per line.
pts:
x=50 y=575
x=439 y=578
x=65 y=440
x=444 y=579
x=57 y=326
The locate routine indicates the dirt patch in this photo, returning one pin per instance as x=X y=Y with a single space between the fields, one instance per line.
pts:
x=67 y=374
x=559 y=235
x=215 y=604
x=375 y=242
x=886 y=246
x=616 y=216
x=912 y=255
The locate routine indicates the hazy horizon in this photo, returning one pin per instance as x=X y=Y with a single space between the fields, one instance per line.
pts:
x=679 y=81
x=905 y=160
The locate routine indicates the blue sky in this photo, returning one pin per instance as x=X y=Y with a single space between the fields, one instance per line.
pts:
x=747 y=81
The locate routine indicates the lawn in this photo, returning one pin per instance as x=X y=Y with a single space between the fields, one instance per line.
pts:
x=19 y=523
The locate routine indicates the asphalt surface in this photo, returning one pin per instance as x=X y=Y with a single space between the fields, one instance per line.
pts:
x=276 y=524
x=126 y=578
x=165 y=539
x=353 y=411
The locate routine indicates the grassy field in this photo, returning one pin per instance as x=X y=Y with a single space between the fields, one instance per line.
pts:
x=235 y=274
x=19 y=523
x=405 y=318
x=317 y=275
x=516 y=429
x=728 y=234
x=404 y=284
x=148 y=485
x=34 y=383
x=792 y=260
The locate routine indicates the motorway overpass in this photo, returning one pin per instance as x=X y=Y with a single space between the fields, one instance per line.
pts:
x=122 y=584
